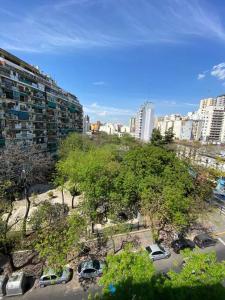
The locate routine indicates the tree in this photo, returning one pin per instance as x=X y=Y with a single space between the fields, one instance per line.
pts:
x=199 y=278
x=169 y=136
x=55 y=242
x=23 y=167
x=75 y=141
x=48 y=215
x=129 y=274
x=94 y=172
x=156 y=139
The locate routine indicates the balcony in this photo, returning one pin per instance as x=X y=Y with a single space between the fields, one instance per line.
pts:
x=51 y=104
x=2 y=142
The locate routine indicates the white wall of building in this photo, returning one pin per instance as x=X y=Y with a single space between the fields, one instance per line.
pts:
x=145 y=122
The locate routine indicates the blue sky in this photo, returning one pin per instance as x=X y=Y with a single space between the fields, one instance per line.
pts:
x=116 y=54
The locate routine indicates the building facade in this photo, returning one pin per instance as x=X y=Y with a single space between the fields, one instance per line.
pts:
x=207 y=124
x=118 y=129
x=33 y=108
x=145 y=122
x=86 y=124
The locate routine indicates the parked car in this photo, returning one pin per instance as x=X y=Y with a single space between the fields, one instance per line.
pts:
x=157 y=252
x=16 y=284
x=90 y=269
x=50 y=277
x=204 y=240
x=181 y=244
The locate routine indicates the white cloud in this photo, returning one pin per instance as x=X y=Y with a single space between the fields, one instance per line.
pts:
x=72 y=24
x=99 y=110
x=98 y=83
x=218 y=71
x=201 y=76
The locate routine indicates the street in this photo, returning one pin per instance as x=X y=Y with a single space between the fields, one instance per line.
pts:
x=73 y=291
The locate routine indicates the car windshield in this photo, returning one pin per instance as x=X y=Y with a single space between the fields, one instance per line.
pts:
x=96 y=264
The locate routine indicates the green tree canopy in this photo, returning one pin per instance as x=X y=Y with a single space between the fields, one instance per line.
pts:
x=157 y=138
x=130 y=273
x=55 y=242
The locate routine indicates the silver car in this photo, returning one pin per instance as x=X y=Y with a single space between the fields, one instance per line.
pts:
x=90 y=269
x=157 y=252
x=51 y=277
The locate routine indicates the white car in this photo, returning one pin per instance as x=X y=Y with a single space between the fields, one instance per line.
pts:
x=157 y=252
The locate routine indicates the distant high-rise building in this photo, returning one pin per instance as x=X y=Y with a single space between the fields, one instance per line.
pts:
x=220 y=100
x=86 y=124
x=132 y=124
x=144 y=122
x=207 y=102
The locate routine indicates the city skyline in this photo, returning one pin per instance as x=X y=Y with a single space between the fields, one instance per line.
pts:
x=116 y=56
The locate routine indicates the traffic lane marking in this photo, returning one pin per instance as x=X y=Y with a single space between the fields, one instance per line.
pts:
x=221 y=241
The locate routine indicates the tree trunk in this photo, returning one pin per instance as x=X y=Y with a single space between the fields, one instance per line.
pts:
x=92 y=227
x=7 y=221
x=62 y=192
x=28 y=204
x=114 y=245
x=73 y=201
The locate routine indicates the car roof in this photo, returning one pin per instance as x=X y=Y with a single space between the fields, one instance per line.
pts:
x=155 y=247
x=88 y=264
x=48 y=272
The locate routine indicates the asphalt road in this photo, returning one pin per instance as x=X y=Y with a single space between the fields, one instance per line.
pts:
x=71 y=292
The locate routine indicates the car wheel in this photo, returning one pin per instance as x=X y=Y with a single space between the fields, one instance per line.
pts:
x=42 y=285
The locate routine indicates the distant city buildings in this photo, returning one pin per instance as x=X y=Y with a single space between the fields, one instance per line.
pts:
x=117 y=129
x=207 y=124
x=132 y=126
x=144 y=122
x=95 y=127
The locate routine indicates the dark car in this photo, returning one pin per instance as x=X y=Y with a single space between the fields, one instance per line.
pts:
x=182 y=244
x=204 y=240
x=90 y=269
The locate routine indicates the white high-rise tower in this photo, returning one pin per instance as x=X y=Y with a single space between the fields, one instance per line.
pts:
x=145 y=122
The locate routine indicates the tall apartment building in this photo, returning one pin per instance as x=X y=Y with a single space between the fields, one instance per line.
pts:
x=33 y=108
x=207 y=102
x=220 y=100
x=86 y=124
x=206 y=124
x=213 y=122
x=144 y=122
x=132 y=124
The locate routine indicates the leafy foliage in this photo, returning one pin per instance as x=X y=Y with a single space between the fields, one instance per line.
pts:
x=132 y=276
x=120 y=179
x=127 y=272
x=53 y=243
